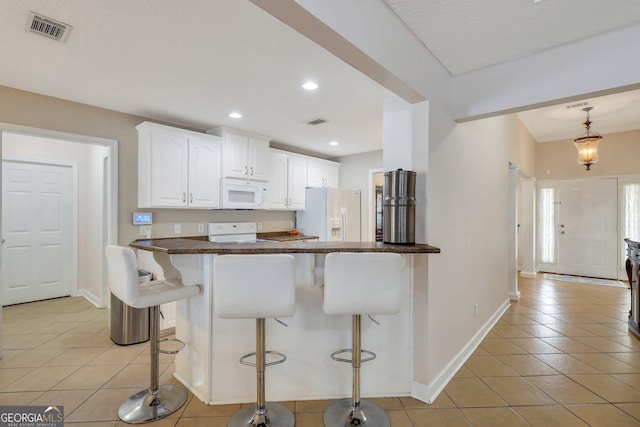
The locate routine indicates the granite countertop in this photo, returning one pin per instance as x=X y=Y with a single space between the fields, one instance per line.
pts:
x=284 y=236
x=175 y=246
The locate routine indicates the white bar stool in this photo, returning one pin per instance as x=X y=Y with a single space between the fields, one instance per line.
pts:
x=156 y=402
x=357 y=284
x=256 y=287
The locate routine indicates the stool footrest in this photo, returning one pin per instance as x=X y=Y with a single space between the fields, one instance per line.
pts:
x=334 y=355
x=275 y=362
x=182 y=345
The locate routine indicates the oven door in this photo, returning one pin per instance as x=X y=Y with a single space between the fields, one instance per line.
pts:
x=240 y=194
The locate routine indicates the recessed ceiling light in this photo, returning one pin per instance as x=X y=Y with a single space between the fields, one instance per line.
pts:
x=334 y=143
x=310 y=86
x=235 y=115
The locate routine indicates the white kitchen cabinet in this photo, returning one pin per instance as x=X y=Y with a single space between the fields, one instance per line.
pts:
x=287 y=180
x=243 y=156
x=323 y=173
x=177 y=168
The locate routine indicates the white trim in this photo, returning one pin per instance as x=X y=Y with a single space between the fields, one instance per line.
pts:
x=90 y=297
x=429 y=392
x=372 y=205
x=529 y=274
x=73 y=289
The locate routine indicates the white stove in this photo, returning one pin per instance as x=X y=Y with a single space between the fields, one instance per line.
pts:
x=234 y=232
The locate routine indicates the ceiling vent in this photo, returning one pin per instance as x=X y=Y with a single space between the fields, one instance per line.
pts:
x=316 y=122
x=40 y=24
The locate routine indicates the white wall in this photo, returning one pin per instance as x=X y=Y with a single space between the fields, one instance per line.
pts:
x=354 y=173
x=89 y=159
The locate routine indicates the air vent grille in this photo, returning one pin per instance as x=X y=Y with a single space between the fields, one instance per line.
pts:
x=316 y=122
x=40 y=24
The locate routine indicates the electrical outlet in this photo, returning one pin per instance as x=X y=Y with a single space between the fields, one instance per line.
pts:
x=475 y=310
x=145 y=230
x=259 y=226
x=200 y=228
x=177 y=229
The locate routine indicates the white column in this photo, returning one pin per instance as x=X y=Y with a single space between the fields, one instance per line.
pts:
x=406 y=146
x=514 y=293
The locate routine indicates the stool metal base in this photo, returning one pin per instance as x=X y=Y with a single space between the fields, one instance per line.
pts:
x=342 y=414
x=144 y=407
x=275 y=415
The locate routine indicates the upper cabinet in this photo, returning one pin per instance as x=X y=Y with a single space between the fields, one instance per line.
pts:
x=287 y=180
x=243 y=156
x=177 y=168
x=322 y=173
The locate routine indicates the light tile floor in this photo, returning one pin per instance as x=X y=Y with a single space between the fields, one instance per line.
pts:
x=562 y=356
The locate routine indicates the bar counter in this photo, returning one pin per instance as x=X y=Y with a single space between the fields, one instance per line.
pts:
x=208 y=366
x=183 y=246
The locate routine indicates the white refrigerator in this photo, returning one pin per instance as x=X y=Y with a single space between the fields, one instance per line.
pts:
x=333 y=214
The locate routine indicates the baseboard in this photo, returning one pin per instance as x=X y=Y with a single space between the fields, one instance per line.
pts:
x=429 y=393
x=90 y=297
x=529 y=274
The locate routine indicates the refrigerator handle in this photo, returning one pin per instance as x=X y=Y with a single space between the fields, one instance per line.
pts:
x=343 y=214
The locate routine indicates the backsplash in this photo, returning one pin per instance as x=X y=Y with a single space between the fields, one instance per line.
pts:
x=165 y=221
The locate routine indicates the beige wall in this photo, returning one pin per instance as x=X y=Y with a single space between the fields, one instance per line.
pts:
x=618 y=152
x=38 y=111
x=468 y=214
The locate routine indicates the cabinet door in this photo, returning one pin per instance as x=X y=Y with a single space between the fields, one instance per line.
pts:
x=204 y=173
x=297 y=182
x=258 y=159
x=235 y=153
x=169 y=165
x=278 y=181
x=332 y=175
x=315 y=174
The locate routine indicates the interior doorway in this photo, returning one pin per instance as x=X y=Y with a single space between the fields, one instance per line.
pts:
x=96 y=160
x=376 y=183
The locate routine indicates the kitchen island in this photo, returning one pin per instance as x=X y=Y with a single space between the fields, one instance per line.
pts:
x=209 y=365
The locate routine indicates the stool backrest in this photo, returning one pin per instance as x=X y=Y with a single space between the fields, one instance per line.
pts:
x=122 y=273
x=254 y=286
x=362 y=283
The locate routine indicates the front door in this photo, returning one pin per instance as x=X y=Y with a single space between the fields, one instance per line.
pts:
x=37 y=220
x=587 y=227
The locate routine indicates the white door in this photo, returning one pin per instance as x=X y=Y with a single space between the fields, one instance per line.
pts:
x=587 y=228
x=37 y=218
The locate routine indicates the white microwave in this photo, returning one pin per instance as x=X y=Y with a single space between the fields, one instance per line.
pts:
x=242 y=194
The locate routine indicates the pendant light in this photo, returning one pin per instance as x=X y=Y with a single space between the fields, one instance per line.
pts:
x=587 y=143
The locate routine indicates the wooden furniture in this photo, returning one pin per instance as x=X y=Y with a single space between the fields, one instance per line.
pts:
x=633 y=273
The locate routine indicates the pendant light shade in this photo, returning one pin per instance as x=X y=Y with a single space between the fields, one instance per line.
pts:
x=587 y=143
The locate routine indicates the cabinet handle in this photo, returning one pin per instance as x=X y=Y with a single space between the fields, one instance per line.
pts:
x=190 y=197
x=245 y=171
x=285 y=201
x=251 y=170
x=289 y=202
x=184 y=197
